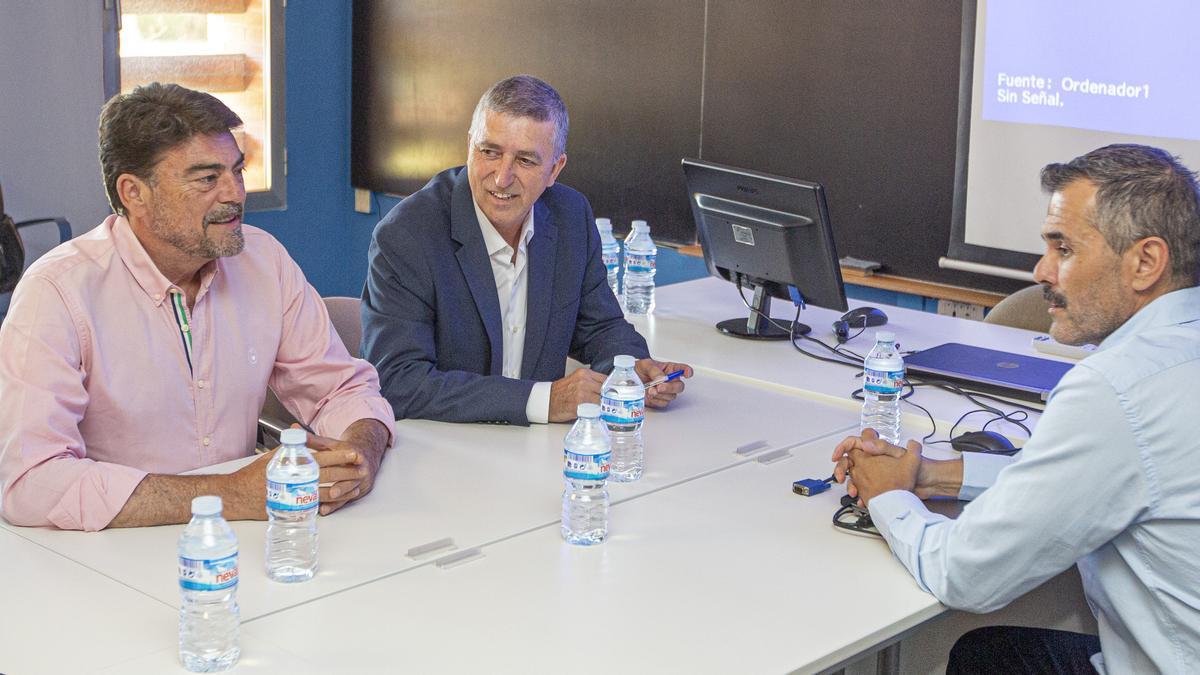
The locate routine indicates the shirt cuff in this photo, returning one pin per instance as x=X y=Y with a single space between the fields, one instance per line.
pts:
x=333 y=423
x=979 y=473
x=537 y=408
x=889 y=506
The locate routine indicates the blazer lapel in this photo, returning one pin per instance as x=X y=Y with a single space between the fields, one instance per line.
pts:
x=543 y=249
x=476 y=268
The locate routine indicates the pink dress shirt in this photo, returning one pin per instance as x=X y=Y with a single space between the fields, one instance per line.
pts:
x=95 y=386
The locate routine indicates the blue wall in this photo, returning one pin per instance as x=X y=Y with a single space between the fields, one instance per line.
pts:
x=319 y=227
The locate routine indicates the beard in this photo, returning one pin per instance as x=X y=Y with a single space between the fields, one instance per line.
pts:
x=200 y=244
x=1090 y=319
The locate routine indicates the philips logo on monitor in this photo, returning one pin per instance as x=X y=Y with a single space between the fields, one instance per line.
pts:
x=742 y=234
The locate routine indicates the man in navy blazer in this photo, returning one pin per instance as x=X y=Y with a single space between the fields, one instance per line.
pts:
x=484 y=281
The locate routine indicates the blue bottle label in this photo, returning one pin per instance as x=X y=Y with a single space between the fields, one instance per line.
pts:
x=611 y=260
x=883 y=381
x=208 y=575
x=616 y=411
x=586 y=467
x=292 y=496
x=639 y=262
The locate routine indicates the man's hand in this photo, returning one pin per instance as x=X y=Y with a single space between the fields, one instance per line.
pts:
x=870 y=443
x=876 y=466
x=348 y=465
x=581 y=386
x=935 y=478
x=660 y=395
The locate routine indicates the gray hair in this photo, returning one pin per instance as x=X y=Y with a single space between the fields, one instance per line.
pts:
x=525 y=96
x=138 y=128
x=1141 y=192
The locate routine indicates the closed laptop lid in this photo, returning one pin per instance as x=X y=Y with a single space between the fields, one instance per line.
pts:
x=1020 y=375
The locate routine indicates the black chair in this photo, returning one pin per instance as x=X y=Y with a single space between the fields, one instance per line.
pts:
x=14 y=254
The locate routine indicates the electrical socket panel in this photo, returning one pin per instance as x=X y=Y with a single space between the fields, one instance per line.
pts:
x=362 y=200
x=962 y=310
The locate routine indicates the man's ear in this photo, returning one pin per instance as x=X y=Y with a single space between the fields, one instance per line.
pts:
x=558 y=167
x=1149 y=260
x=133 y=192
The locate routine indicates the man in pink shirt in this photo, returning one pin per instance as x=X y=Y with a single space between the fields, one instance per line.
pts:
x=145 y=347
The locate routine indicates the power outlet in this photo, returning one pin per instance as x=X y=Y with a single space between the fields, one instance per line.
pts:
x=362 y=200
x=962 y=310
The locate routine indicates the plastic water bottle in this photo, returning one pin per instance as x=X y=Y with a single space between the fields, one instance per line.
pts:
x=611 y=252
x=622 y=407
x=292 y=501
x=586 y=457
x=883 y=379
x=640 y=256
x=208 y=577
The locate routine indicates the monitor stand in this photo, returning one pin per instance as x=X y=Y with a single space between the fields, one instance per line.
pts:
x=756 y=327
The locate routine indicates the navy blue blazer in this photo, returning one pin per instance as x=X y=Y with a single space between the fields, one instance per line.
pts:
x=431 y=315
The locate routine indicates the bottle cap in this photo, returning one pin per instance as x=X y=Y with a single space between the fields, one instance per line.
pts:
x=623 y=361
x=293 y=437
x=604 y=223
x=208 y=505
x=640 y=224
x=588 y=410
x=885 y=336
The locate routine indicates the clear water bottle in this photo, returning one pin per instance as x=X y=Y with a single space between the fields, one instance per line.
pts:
x=586 y=457
x=611 y=252
x=640 y=257
x=622 y=407
x=292 y=501
x=883 y=378
x=208 y=577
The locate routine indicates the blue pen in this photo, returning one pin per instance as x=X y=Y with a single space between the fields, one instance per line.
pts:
x=665 y=378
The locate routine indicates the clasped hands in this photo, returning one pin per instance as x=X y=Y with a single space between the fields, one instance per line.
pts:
x=871 y=466
x=348 y=466
x=583 y=386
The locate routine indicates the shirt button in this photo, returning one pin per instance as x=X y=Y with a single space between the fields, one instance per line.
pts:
x=158 y=297
x=206 y=441
x=200 y=383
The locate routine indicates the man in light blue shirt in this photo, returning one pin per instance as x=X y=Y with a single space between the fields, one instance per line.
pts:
x=1110 y=479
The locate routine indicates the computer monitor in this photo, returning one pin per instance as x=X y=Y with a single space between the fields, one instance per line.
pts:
x=769 y=233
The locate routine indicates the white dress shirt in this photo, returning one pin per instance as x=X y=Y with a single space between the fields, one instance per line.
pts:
x=1110 y=480
x=512 y=289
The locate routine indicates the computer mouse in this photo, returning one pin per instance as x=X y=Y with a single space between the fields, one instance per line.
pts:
x=864 y=317
x=983 y=441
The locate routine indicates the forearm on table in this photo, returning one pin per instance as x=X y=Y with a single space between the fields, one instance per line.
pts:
x=166 y=500
x=939 y=478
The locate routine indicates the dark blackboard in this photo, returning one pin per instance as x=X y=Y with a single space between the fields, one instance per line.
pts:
x=859 y=96
x=629 y=72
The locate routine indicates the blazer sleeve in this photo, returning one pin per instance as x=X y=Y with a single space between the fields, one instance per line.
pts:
x=601 y=331
x=399 y=317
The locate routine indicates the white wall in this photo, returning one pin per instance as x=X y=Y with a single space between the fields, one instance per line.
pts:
x=51 y=90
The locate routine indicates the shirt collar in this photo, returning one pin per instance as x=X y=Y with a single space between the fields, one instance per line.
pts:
x=143 y=269
x=492 y=239
x=1174 y=308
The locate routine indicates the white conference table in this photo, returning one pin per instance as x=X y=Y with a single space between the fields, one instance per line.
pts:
x=682 y=328
x=709 y=536
x=730 y=572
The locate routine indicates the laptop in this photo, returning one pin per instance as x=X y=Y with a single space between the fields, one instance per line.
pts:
x=1005 y=373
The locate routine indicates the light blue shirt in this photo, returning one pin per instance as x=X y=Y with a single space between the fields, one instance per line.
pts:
x=1110 y=480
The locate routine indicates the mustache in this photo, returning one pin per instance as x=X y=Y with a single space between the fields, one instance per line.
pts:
x=223 y=214
x=1054 y=298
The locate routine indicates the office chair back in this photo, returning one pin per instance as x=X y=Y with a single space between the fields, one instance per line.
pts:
x=344 y=315
x=1027 y=308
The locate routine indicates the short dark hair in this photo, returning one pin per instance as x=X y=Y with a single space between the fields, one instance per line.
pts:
x=137 y=128
x=525 y=96
x=1140 y=192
